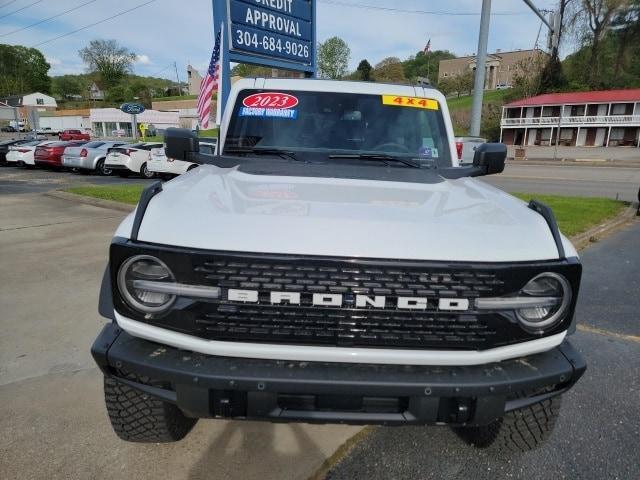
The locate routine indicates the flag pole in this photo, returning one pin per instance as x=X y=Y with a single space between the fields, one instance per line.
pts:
x=223 y=82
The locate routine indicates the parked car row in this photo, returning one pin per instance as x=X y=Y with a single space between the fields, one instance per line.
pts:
x=103 y=157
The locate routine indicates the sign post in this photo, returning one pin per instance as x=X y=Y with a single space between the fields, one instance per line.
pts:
x=271 y=33
x=133 y=109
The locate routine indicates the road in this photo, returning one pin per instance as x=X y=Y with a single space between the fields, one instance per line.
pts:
x=575 y=180
x=578 y=180
x=52 y=415
x=597 y=434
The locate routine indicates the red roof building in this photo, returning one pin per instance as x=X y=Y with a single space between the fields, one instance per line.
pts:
x=602 y=119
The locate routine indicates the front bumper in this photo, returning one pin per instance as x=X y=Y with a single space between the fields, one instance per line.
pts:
x=318 y=392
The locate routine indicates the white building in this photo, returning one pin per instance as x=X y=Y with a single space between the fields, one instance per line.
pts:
x=604 y=118
x=40 y=101
x=107 y=122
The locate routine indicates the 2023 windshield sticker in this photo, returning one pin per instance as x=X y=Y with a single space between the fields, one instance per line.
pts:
x=412 y=102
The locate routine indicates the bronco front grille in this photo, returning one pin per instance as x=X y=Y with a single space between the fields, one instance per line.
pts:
x=347 y=324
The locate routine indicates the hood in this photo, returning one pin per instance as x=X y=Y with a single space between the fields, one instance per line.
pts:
x=456 y=220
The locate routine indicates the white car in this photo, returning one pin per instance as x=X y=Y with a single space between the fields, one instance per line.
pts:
x=336 y=264
x=128 y=159
x=170 y=167
x=22 y=155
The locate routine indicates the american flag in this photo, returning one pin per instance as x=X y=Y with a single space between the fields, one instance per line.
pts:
x=427 y=47
x=209 y=84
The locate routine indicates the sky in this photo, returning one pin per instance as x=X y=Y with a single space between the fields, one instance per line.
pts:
x=162 y=32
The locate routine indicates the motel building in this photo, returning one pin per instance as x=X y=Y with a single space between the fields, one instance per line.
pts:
x=584 y=119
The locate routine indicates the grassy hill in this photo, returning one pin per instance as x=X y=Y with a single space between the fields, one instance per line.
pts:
x=493 y=97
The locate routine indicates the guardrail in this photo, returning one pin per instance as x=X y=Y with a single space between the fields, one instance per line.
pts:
x=629 y=120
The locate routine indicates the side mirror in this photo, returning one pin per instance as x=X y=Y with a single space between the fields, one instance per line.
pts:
x=489 y=158
x=180 y=143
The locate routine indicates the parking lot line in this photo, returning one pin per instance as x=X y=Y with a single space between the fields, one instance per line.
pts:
x=608 y=333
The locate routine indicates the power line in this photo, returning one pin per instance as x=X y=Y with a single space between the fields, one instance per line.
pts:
x=93 y=24
x=160 y=71
x=419 y=12
x=20 y=9
x=49 y=18
x=8 y=3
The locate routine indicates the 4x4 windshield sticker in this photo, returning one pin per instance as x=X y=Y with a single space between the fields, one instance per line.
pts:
x=415 y=102
x=289 y=113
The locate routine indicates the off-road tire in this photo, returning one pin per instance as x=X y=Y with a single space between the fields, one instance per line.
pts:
x=138 y=417
x=518 y=431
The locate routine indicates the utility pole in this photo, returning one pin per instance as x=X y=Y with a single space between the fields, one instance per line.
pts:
x=481 y=61
x=175 y=66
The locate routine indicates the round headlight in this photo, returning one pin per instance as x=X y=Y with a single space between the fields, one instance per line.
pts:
x=550 y=294
x=139 y=279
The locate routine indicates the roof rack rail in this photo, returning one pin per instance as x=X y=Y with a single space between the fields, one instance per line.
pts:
x=146 y=196
x=548 y=215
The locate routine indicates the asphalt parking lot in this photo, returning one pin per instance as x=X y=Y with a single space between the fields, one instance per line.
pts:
x=51 y=408
x=597 y=434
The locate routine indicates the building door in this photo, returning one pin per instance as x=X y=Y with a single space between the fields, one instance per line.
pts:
x=533 y=136
x=591 y=137
x=600 y=134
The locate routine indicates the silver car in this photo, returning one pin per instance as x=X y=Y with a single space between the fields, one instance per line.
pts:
x=89 y=156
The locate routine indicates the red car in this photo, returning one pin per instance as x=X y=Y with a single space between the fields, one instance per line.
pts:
x=50 y=155
x=67 y=135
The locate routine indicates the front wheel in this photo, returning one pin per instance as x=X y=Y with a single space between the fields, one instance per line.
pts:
x=145 y=172
x=521 y=430
x=138 y=417
x=102 y=169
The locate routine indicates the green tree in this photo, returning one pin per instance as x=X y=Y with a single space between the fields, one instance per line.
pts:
x=110 y=60
x=425 y=65
x=246 y=70
x=464 y=82
x=389 y=70
x=23 y=70
x=67 y=85
x=118 y=94
x=364 y=71
x=447 y=86
x=333 y=58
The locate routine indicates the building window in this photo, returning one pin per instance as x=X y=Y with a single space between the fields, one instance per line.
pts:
x=566 y=134
x=619 y=109
x=39 y=101
x=616 y=134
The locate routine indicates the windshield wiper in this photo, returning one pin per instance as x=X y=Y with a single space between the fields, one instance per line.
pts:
x=381 y=157
x=262 y=151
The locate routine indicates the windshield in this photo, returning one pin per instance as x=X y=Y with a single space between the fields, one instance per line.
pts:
x=315 y=125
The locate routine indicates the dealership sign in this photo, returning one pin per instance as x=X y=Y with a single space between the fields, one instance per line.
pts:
x=279 y=33
x=132 y=108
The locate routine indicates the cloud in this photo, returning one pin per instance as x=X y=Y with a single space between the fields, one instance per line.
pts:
x=53 y=61
x=143 y=60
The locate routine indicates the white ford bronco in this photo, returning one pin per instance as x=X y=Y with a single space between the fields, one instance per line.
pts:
x=334 y=264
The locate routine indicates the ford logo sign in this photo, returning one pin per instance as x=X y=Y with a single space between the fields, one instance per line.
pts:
x=132 y=108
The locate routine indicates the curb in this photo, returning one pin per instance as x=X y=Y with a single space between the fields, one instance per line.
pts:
x=597 y=233
x=561 y=162
x=96 y=202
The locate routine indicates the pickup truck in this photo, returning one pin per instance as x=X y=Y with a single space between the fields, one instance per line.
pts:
x=334 y=263
x=67 y=135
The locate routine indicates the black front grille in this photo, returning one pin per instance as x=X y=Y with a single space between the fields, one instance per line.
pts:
x=346 y=325
x=349 y=278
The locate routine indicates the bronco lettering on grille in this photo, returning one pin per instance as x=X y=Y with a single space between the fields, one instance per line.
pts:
x=361 y=301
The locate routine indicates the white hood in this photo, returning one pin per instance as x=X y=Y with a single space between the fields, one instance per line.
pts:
x=458 y=220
